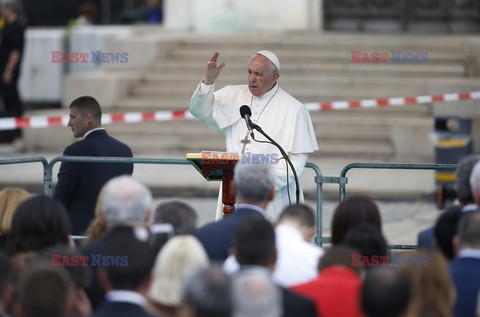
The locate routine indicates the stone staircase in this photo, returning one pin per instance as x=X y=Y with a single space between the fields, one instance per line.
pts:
x=314 y=68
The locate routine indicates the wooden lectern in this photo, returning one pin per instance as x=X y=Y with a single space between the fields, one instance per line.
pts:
x=216 y=166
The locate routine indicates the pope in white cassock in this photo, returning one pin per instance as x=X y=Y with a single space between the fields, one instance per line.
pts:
x=282 y=117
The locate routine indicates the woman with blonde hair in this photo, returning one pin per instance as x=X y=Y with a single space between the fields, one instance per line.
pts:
x=10 y=198
x=97 y=227
x=176 y=258
x=432 y=288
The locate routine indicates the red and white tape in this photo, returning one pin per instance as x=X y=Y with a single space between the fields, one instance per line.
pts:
x=36 y=122
x=399 y=101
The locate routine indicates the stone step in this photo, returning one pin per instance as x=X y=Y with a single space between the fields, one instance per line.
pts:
x=167 y=103
x=176 y=145
x=194 y=129
x=301 y=92
x=192 y=80
x=324 y=41
x=315 y=55
x=300 y=69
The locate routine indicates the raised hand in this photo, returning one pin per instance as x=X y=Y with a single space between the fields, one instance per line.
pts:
x=212 y=71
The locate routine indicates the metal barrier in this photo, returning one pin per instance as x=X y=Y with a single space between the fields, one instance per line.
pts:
x=23 y=160
x=319 y=179
x=99 y=159
x=438 y=167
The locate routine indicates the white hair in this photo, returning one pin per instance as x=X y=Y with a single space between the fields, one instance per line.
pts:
x=475 y=180
x=125 y=202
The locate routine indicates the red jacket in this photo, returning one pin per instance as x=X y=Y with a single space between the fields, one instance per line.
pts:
x=336 y=292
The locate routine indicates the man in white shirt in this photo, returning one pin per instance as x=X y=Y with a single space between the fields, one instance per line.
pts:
x=297 y=257
x=281 y=116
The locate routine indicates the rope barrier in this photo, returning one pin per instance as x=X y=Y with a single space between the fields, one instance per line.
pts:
x=36 y=122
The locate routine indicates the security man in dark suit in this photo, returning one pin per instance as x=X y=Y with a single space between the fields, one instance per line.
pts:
x=79 y=183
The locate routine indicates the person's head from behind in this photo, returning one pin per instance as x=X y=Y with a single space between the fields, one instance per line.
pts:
x=10 y=198
x=43 y=290
x=254 y=243
x=131 y=261
x=385 y=292
x=126 y=202
x=351 y=212
x=263 y=72
x=301 y=217
x=468 y=232
x=432 y=290
x=85 y=115
x=39 y=222
x=475 y=183
x=462 y=184
x=255 y=294
x=368 y=239
x=339 y=256
x=254 y=183
x=444 y=230
x=180 y=215
x=206 y=292
x=78 y=303
x=179 y=255
x=10 y=9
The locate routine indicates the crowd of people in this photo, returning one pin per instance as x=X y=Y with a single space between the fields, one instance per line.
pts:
x=243 y=265
x=137 y=259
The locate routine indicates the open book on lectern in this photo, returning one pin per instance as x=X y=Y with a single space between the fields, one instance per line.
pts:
x=210 y=164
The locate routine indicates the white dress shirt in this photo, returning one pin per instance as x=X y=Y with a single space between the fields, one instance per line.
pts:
x=297 y=259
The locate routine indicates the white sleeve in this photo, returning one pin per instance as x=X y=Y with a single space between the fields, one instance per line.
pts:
x=201 y=106
x=204 y=88
x=280 y=169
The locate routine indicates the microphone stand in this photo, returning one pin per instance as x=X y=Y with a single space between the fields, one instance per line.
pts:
x=297 y=191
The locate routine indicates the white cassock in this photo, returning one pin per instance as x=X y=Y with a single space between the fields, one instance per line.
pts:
x=282 y=117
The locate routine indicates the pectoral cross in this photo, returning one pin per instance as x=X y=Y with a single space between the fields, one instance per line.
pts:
x=245 y=142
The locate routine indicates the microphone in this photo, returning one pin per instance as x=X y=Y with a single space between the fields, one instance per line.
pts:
x=245 y=113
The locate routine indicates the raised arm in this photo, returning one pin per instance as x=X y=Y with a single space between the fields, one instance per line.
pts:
x=212 y=71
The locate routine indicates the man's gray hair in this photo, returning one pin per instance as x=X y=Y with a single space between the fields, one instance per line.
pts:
x=463 y=173
x=255 y=294
x=254 y=182
x=125 y=202
x=475 y=180
x=208 y=291
x=468 y=230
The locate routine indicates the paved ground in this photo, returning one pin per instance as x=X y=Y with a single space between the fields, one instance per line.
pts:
x=404 y=196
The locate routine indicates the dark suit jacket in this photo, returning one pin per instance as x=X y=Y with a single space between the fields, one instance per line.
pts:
x=94 y=291
x=120 y=309
x=465 y=272
x=216 y=237
x=426 y=237
x=79 y=183
x=295 y=305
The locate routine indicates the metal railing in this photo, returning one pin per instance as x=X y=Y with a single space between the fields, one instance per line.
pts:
x=319 y=179
x=399 y=166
